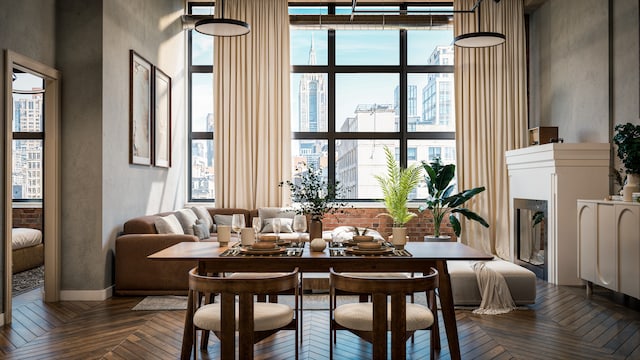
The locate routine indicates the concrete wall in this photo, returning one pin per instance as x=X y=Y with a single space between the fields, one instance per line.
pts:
x=153 y=29
x=26 y=27
x=100 y=188
x=570 y=66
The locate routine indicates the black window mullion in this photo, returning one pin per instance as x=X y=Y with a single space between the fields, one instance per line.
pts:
x=331 y=104
x=403 y=98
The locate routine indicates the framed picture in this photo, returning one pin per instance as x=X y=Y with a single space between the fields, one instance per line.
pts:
x=140 y=109
x=162 y=120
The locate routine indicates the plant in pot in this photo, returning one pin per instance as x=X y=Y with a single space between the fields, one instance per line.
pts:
x=396 y=186
x=627 y=138
x=441 y=202
x=314 y=196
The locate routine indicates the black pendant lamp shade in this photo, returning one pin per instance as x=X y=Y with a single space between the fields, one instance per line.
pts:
x=221 y=26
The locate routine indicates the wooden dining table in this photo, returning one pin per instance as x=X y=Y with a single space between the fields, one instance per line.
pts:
x=424 y=255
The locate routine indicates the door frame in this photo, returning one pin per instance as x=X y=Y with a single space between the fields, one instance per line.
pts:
x=51 y=170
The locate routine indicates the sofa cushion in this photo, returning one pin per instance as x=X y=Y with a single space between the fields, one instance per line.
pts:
x=274 y=212
x=223 y=219
x=285 y=225
x=187 y=219
x=203 y=214
x=168 y=225
x=201 y=230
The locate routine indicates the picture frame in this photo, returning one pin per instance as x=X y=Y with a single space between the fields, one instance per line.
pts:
x=162 y=119
x=140 y=109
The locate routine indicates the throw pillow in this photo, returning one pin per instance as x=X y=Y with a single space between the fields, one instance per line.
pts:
x=222 y=219
x=203 y=214
x=274 y=212
x=201 y=230
x=168 y=225
x=285 y=225
x=187 y=218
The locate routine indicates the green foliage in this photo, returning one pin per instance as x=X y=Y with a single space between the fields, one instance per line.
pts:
x=314 y=195
x=627 y=138
x=396 y=186
x=441 y=202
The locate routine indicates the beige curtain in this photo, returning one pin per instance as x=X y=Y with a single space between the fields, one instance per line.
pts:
x=491 y=116
x=252 y=129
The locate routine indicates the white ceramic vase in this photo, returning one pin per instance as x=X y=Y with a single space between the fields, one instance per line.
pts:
x=632 y=185
x=317 y=244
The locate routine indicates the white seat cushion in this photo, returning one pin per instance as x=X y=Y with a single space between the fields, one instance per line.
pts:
x=387 y=275
x=464 y=284
x=266 y=316
x=359 y=316
x=253 y=275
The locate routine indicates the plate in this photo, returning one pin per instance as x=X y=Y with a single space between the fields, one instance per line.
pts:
x=381 y=251
x=251 y=251
x=283 y=242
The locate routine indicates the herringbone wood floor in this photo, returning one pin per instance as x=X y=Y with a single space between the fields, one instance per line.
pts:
x=563 y=324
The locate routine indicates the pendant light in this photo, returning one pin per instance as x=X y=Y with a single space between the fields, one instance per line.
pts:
x=221 y=26
x=480 y=38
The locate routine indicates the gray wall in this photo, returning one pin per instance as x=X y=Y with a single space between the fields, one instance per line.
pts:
x=570 y=65
x=100 y=188
x=26 y=27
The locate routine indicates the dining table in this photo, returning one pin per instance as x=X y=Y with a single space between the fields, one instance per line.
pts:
x=415 y=257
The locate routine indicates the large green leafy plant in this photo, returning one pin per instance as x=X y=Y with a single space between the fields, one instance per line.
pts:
x=396 y=186
x=627 y=138
x=441 y=201
x=313 y=194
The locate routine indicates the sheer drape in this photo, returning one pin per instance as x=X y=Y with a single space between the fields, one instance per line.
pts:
x=491 y=116
x=251 y=110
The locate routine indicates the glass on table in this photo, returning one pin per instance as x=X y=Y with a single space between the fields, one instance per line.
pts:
x=299 y=225
x=275 y=225
x=237 y=223
x=257 y=226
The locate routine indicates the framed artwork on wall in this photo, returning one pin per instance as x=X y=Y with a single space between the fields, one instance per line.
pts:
x=140 y=110
x=162 y=120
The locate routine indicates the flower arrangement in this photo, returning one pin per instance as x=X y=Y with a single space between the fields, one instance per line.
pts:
x=314 y=195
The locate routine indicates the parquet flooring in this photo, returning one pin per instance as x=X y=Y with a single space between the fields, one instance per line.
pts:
x=563 y=324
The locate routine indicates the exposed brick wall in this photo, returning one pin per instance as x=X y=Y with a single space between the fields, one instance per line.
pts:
x=27 y=218
x=417 y=228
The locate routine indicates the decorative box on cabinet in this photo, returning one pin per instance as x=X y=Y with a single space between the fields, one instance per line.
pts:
x=609 y=245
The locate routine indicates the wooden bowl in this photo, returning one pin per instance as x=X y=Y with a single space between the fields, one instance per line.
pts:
x=369 y=245
x=270 y=238
x=362 y=238
x=263 y=245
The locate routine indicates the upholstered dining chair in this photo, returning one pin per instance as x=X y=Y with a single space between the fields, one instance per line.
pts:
x=372 y=320
x=253 y=320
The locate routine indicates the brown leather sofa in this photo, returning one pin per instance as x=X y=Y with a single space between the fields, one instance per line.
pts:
x=137 y=275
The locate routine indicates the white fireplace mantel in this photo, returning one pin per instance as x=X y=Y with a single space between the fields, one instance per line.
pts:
x=560 y=174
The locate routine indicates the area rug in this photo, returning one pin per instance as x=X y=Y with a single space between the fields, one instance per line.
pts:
x=27 y=280
x=310 y=302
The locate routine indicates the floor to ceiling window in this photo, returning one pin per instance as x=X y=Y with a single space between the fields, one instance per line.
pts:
x=358 y=89
x=201 y=147
x=354 y=91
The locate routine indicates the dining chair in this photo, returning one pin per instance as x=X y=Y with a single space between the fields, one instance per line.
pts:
x=237 y=306
x=372 y=320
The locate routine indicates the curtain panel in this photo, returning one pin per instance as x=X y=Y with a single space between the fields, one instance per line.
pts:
x=252 y=130
x=491 y=116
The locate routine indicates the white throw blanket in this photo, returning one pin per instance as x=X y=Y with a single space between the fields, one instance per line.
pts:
x=496 y=297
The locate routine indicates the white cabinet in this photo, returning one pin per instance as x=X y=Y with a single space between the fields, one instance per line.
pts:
x=609 y=245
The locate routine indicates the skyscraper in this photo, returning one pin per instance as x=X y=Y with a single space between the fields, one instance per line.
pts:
x=312 y=112
x=27 y=154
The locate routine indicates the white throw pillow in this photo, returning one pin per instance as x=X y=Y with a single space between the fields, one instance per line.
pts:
x=168 y=225
x=187 y=219
x=203 y=214
x=285 y=225
x=267 y=213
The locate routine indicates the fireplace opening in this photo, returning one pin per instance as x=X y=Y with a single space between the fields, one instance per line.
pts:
x=531 y=235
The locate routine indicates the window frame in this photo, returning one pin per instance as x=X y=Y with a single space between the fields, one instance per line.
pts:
x=403 y=70
x=195 y=135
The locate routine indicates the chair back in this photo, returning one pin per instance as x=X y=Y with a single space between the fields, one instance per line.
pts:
x=388 y=286
x=255 y=286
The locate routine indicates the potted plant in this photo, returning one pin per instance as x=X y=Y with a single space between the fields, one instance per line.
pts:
x=440 y=200
x=627 y=138
x=396 y=186
x=314 y=196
